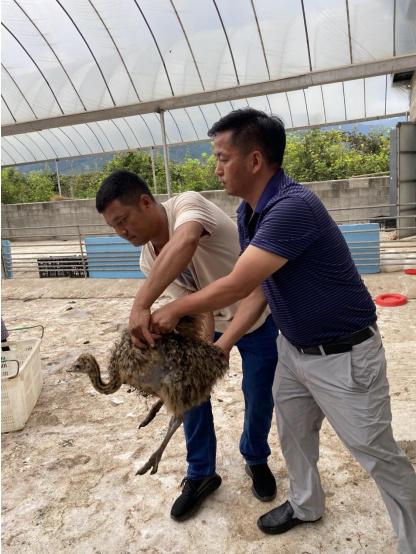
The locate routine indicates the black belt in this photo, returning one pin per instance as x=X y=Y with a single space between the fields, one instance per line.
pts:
x=341 y=344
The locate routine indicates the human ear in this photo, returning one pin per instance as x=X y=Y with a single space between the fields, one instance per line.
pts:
x=256 y=161
x=145 y=201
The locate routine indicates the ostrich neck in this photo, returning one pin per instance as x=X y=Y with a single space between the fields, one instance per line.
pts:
x=99 y=385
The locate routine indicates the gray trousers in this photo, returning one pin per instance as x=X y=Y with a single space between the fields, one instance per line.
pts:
x=352 y=391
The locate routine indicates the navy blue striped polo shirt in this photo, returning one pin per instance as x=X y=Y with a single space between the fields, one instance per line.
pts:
x=318 y=295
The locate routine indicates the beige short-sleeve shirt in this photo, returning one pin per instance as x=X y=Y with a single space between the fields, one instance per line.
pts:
x=215 y=256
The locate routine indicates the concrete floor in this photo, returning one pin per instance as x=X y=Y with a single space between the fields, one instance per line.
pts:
x=69 y=483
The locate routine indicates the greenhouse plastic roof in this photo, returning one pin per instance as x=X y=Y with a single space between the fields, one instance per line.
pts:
x=88 y=76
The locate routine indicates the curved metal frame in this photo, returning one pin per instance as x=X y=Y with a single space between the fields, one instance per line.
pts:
x=218 y=110
x=306 y=36
x=105 y=135
x=117 y=49
x=48 y=143
x=345 y=102
x=53 y=52
x=36 y=144
x=148 y=128
x=19 y=140
x=70 y=140
x=132 y=130
x=290 y=109
x=176 y=125
x=29 y=137
x=58 y=139
x=188 y=43
x=192 y=123
x=36 y=65
x=261 y=39
x=228 y=41
x=157 y=46
x=89 y=48
x=13 y=147
x=82 y=138
x=119 y=130
x=7 y=106
x=347 y=7
x=306 y=107
x=203 y=115
x=98 y=140
x=8 y=153
x=19 y=89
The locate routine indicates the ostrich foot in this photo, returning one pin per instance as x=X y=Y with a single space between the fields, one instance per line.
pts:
x=152 y=413
x=153 y=461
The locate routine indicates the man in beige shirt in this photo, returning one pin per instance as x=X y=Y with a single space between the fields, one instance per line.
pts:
x=187 y=243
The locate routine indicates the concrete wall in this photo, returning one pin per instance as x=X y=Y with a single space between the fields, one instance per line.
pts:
x=47 y=220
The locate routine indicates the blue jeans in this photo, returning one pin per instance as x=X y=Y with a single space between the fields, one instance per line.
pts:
x=258 y=352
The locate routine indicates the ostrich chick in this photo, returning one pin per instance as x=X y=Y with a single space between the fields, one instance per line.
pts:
x=180 y=370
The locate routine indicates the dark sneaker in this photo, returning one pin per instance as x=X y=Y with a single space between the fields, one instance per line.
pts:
x=193 y=493
x=280 y=520
x=264 y=483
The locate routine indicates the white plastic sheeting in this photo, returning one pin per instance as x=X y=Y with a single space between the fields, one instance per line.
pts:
x=63 y=57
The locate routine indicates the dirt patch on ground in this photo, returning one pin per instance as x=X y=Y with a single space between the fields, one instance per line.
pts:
x=69 y=483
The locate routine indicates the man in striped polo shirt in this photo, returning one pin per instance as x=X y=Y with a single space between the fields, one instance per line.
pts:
x=331 y=358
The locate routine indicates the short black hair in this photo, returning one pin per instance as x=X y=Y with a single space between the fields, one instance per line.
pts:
x=254 y=129
x=121 y=185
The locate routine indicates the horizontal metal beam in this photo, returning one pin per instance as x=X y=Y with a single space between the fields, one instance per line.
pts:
x=326 y=76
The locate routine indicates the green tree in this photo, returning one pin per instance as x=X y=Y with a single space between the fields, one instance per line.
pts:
x=40 y=187
x=326 y=155
x=140 y=162
x=19 y=188
x=13 y=184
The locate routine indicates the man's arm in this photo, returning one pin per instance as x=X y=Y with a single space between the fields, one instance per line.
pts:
x=174 y=257
x=249 y=311
x=251 y=269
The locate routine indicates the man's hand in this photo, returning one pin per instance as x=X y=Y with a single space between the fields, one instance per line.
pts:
x=165 y=319
x=139 y=328
x=224 y=347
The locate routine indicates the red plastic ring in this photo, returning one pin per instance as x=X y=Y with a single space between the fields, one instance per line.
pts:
x=390 y=300
x=410 y=271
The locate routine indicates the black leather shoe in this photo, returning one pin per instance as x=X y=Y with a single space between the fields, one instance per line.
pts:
x=193 y=493
x=280 y=520
x=264 y=483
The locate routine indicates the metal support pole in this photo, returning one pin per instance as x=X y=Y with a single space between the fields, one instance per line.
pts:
x=57 y=177
x=84 y=268
x=152 y=157
x=165 y=152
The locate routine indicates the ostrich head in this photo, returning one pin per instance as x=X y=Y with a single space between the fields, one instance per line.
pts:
x=86 y=363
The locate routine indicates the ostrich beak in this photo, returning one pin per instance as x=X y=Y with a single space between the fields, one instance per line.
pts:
x=74 y=368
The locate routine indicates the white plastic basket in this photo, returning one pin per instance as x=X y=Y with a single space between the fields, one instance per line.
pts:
x=21 y=382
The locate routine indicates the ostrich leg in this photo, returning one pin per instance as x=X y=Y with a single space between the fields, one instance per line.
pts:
x=152 y=413
x=153 y=462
